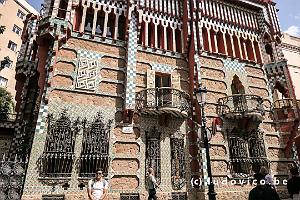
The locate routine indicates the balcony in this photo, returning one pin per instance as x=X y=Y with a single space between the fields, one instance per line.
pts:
x=285 y=104
x=156 y=101
x=241 y=106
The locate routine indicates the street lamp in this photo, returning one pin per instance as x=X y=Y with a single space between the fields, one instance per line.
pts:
x=200 y=96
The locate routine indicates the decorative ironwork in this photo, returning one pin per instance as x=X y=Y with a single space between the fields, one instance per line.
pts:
x=53 y=197
x=58 y=156
x=12 y=175
x=153 y=152
x=7 y=117
x=129 y=196
x=247 y=152
x=283 y=103
x=177 y=163
x=179 y=196
x=95 y=147
x=240 y=104
x=164 y=97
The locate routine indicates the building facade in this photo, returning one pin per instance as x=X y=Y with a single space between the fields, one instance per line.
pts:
x=111 y=84
x=13 y=13
x=291 y=51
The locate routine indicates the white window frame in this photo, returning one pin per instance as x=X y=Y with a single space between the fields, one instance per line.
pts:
x=21 y=14
x=12 y=46
x=17 y=30
x=3 y=82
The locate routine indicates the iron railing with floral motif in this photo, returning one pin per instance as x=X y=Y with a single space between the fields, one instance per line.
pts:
x=164 y=97
x=285 y=103
x=58 y=157
x=95 y=147
x=247 y=153
x=240 y=104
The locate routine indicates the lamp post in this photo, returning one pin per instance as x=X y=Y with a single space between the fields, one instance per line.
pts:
x=200 y=95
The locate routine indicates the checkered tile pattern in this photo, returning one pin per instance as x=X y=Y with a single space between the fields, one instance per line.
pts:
x=295 y=155
x=162 y=68
x=89 y=54
x=276 y=74
x=204 y=166
x=131 y=64
x=234 y=65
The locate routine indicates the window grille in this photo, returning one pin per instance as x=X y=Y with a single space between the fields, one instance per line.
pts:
x=128 y=196
x=95 y=147
x=179 y=196
x=53 y=197
x=247 y=152
x=177 y=163
x=153 y=152
x=58 y=156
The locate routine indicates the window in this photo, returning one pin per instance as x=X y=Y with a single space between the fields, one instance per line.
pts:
x=6 y=62
x=247 y=152
x=162 y=80
x=17 y=30
x=12 y=46
x=95 y=147
x=3 y=81
x=58 y=157
x=153 y=152
x=20 y=14
x=2 y=1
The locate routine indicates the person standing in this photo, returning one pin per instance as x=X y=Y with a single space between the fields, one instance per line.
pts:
x=97 y=187
x=152 y=185
x=262 y=191
x=293 y=184
x=268 y=177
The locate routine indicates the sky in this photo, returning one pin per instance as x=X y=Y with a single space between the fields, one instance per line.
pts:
x=289 y=14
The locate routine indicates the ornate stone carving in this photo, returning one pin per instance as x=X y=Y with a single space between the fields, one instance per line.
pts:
x=87 y=74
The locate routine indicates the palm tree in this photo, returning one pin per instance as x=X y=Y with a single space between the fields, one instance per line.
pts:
x=6 y=104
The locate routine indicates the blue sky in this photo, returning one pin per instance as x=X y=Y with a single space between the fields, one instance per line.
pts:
x=289 y=14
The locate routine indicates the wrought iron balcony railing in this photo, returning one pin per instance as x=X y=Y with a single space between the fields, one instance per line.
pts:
x=240 y=105
x=285 y=103
x=164 y=99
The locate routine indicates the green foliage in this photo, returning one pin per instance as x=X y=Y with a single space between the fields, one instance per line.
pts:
x=2 y=29
x=6 y=103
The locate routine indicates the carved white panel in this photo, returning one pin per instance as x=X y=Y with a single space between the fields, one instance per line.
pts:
x=87 y=74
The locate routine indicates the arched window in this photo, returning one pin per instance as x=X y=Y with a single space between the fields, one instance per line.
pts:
x=88 y=26
x=178 y=40
x=212 y=40
x=220 y=42
x=95 y=147
x=78 y=18
x=142 y=34
x=153 y=159
x=169 y=38
x=100 y=23
x=250 y=50
x=205 y=39
x=229 y=45
x=58 y=156
x=151 y=32
x=160 y=36
x=121 y=27
x=111 y=25
x=236 y=47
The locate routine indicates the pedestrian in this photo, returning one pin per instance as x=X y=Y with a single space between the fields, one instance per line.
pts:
x=152 y=185
x=97 y=187
x=262 y=191
x=293 y=184
x=268 y=177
